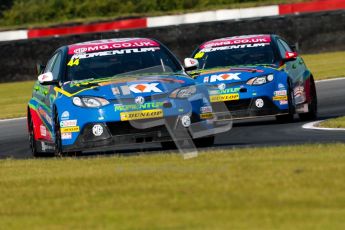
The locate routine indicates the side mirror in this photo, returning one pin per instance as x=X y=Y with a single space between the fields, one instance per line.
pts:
x=289 y=56
x=47 y=79
x=190 y=64
x=39 y=68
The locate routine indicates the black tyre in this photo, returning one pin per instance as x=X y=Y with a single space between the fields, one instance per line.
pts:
x=32 y=141
x=286 y=118
x=58 y=145
x=312 y=106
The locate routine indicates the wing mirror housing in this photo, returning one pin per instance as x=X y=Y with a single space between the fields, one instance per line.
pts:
x=47 y=79
x=39 y=68
x=191 y=64
x=290 y=56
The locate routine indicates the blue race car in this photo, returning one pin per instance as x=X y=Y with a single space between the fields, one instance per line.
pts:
x=255 y=75
x=106 y=93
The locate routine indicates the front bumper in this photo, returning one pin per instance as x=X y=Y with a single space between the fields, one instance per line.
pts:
x=250 y=107
x=246 y=101
x=121 y=133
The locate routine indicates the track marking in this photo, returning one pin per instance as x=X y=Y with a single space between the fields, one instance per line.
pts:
x=331 y=79
x=13 y=119
x=313 y=125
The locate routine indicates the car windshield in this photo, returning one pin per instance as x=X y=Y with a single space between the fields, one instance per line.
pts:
x=235 y=55
x=122 y=62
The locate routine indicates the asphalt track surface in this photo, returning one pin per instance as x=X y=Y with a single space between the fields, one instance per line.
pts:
x=246 y=133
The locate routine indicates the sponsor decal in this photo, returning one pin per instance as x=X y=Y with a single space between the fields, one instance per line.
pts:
x=145 y=88
x=225 y=97
x=66 y=136
x=225 y=77
x=65 y=115
x=43 y=130
x=283 y=102
x=221 y=86
x=298 y=91
x=206 y=79
x=139 y=100
x=68 y=123
x=45 y=146
x=280 y=98
x=148 y=105
x=225 y=91
x=259 y=103
x=206 y=109
x=185 y=121
x=143 y=114
x=206 y=116
x=110 y=44
x=302 y=108
x=207 y=50
x=125 y=90
x=281 y=86
x=73 y=129
x=97 y=130
x=237 y=40
x=115 y=91
x=280 y=93
x=74 y=61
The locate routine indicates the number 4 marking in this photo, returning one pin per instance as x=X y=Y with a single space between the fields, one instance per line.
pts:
x=73 y=62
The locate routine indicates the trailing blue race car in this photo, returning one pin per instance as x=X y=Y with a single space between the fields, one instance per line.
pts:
x=255 y=75
x=113 y=92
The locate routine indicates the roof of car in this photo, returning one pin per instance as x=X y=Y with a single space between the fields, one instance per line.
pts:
x=111 y=44
x=237 y=40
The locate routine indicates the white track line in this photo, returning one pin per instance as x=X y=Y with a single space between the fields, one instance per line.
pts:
x=13 y=119
x=313 y=125
x=331 y=79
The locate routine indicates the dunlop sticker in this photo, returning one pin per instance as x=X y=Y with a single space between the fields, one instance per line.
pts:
x=206 y=116
x=73 y=129
x=143 y=114
x=280 y=98
x=225 y=97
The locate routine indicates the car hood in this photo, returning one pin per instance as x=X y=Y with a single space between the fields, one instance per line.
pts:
x=232 y=74
x=127 y=87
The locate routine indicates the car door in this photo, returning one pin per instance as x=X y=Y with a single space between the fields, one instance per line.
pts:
x=294 y=68
x=45 y=94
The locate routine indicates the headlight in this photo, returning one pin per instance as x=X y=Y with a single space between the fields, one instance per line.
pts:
x=184 y=92
x=91 y=102
x=260 y=80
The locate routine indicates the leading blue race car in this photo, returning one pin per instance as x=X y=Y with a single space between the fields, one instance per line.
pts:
x=106 y=93
x=255 y=75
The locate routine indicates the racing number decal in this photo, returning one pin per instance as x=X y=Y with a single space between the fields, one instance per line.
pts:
x=73 y=62
x=199 y=55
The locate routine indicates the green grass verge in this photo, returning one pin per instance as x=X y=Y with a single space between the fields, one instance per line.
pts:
x=326 y=65
x=338 y=122
x=14 y=98
x=300 y=187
